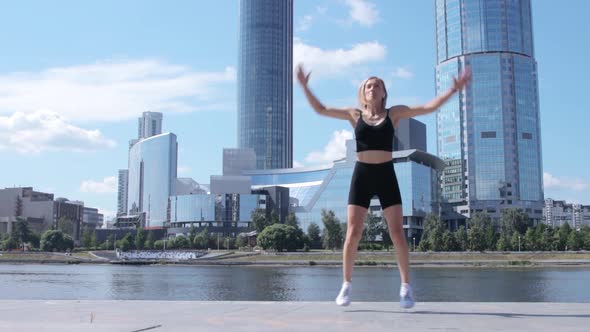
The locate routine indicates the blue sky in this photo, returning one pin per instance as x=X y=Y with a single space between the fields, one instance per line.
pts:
x=74 y=77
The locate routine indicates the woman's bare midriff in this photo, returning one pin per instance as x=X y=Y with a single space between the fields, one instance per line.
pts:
x=374 y=156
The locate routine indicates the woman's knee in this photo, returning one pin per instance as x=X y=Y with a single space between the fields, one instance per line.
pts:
x=397 y=231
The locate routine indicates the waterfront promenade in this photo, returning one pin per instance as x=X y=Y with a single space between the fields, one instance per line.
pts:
x=135 y=316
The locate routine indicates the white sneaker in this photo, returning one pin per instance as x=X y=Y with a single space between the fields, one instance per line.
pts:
x=343 y=298
x=406 y=298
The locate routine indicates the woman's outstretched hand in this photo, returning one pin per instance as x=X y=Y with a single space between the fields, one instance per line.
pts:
x=459 y=83
x=302 y=77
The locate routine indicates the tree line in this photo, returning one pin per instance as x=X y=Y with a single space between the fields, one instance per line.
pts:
x=514 y=231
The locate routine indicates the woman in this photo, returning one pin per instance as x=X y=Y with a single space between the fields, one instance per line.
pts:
x=373 y=173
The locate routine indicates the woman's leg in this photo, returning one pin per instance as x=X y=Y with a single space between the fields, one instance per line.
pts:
x=394 y=217
x=354 y=232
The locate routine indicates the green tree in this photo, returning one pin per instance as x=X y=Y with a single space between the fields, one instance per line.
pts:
x=9 y=243
x=562 y=235
x=140 y=239
x=332 y=234
x=159 y=245
x=21 y=232
x=93 y=240
x=259 y=222
x=585 y=231
x=201 y=240
x=56 y=240
x=149 y=242
x=541 y=243
x=274 y=217
x=182 y=242
x=482 y=232
x=449 y=241
x=191 y=235
x=373 y=226
x=462 y=238
x=279 y=237
x=547 y=238
x=503 y=243
x=65 y=225
x=292 y=220
x=514 y=220
x=386 y=238
x=517 y=241
x=575 y=241
x=313 y=232
x=530 y=241
x=240 y=241
x=432 y=236
x=86 y=238
x=110 y=242
x=477 y=233
x=34 y=239
x=126 y=243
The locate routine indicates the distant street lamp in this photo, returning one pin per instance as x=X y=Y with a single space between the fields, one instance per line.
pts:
x=519 y=243
x=414 y=240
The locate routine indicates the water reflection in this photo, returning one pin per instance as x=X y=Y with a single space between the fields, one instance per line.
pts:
x=248 y=283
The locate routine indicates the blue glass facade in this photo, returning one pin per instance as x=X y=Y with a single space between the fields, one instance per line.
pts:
x=152 y=174
x=313 y=191
x=187 y=208
x=265 y=118
x=217 y=209
x=489 y=134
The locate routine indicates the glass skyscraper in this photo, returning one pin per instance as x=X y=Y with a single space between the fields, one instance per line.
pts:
x=152 y=175
x=489 y=133
x=265 y=79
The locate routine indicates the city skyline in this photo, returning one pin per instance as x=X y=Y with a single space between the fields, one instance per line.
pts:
x=71 y=90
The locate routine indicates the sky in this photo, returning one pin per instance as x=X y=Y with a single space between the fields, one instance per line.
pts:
x=75 y=76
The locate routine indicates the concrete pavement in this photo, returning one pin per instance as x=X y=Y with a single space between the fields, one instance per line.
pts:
x=157 y=316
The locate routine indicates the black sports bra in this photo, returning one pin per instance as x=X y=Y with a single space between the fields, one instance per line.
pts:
x=379 y=137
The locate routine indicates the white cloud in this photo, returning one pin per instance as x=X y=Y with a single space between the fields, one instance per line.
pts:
x=111 y=90
x=334 y=150
x=297 y=164
x=304 y=23
x=107 y=185
x=107 y=213
x=47 y=131
x=575 y=184
x=401 y=72
x=328 y=62
x=362 y=12
x=183 y=170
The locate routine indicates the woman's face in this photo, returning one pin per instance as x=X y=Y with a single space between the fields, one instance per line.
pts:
x=374 y=90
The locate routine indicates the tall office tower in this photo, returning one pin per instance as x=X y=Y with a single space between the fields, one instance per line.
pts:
x=150 y=124
x=122 y=192
x=489 y=133
x=152 y=176
x=265 y=78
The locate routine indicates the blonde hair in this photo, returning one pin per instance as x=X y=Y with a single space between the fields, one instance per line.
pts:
x=361 y=94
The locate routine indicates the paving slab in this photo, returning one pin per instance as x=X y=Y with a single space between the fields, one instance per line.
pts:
x=158 y=316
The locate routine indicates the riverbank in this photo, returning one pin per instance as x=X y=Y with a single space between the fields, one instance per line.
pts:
x=320 y=258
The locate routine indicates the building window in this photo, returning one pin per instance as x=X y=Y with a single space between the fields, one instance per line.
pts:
x=488 y=134
x=527 y=136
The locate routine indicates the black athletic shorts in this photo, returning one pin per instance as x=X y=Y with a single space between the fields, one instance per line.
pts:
x=369 y=180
